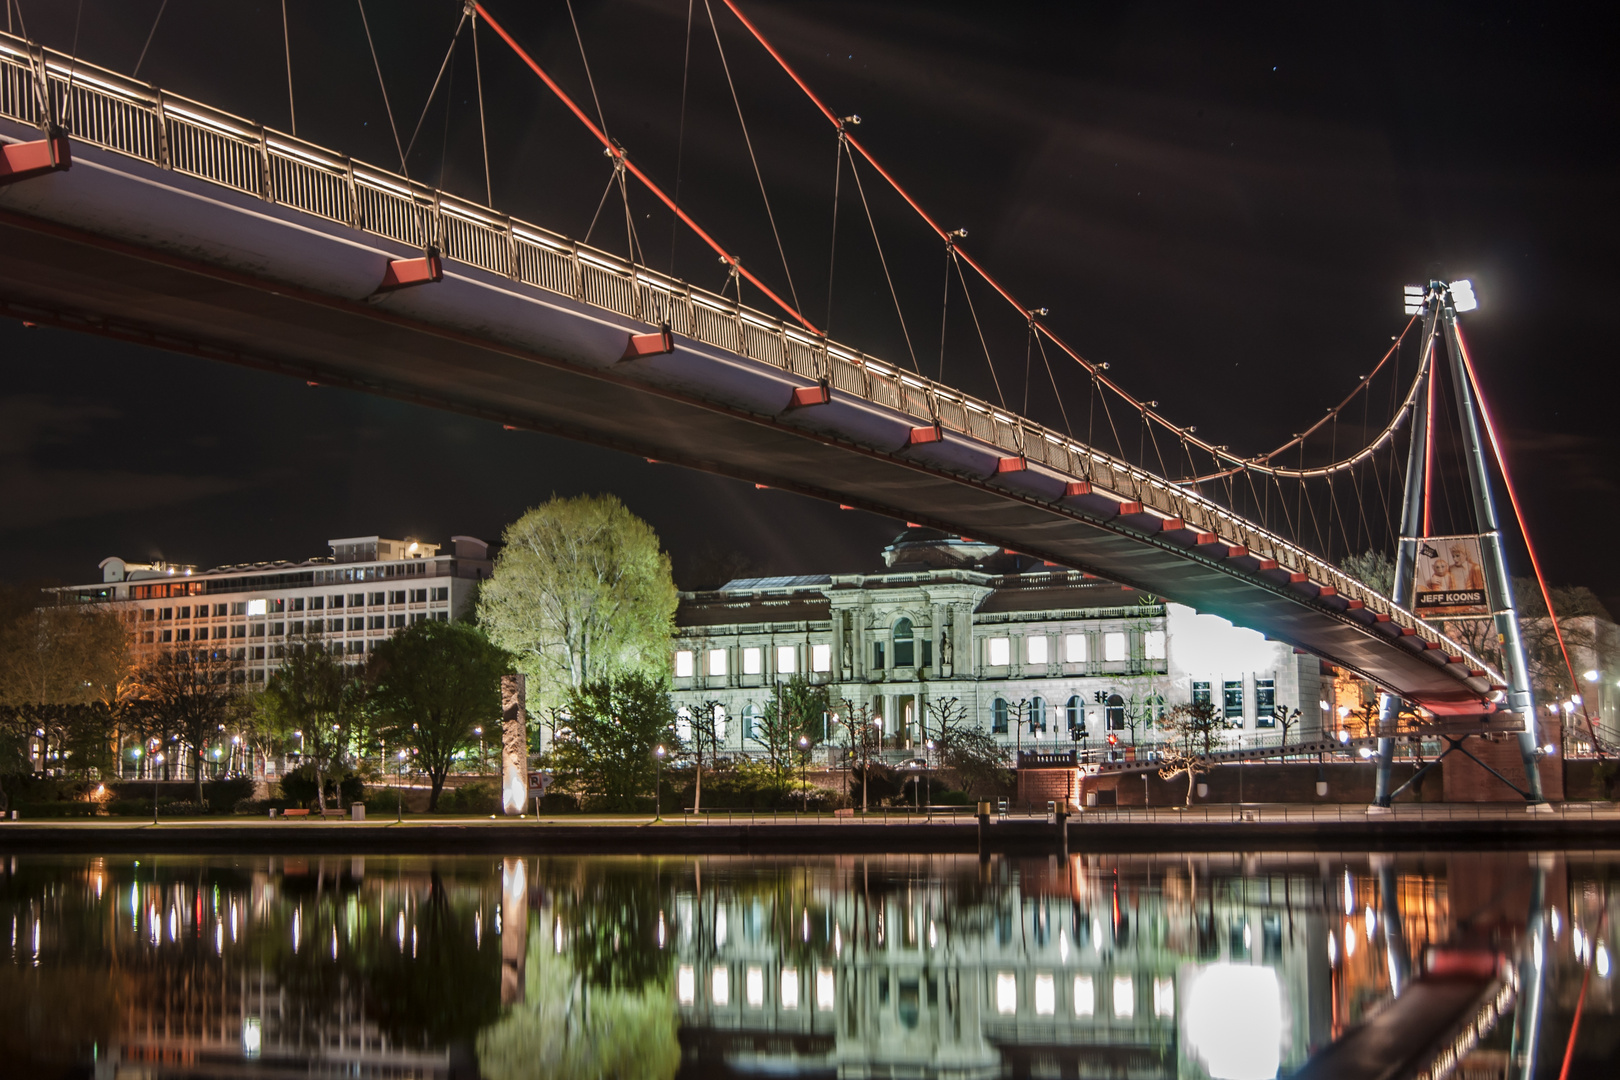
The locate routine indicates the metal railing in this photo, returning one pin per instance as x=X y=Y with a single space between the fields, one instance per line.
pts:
x=141 y=121
x=1284 y=813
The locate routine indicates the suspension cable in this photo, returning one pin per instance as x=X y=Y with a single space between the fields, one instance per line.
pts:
x=855 y=172
x=680 y=139
x=619 y=153
x=483 y=130
x=752 y=160
x=389 y=109
x=428 y=104
x=832 y=247
x=153 y=33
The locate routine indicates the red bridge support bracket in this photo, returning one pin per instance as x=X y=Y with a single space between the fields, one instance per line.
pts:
x=806 y=396
x=24 y=161
x=404 y=273
x=660 y=342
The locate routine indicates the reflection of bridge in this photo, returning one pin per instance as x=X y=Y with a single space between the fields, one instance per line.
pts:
x=184 y=227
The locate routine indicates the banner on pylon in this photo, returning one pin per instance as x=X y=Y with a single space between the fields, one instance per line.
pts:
x=1450 y=579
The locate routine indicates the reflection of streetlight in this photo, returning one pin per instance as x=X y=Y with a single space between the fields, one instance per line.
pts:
x=658 y=784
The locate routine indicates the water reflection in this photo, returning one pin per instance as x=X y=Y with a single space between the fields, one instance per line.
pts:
x=1237 y=967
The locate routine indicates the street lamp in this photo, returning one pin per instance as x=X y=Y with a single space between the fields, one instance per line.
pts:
x=658 y=784
x=399 y=792
x=804 y=764
x=156 y=761
x=480 y=733
x=928 y=776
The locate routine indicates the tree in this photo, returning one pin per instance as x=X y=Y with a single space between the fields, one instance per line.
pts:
x=313 y=693
x=796 y=711
x=1285 y=719
x=434 y=683
x=977 y=759
x=1192 y=729
x=581 y=592
x=705 y=742
x=1373 y=569
x=862 y=740
x=187 y=696
x=614 y=725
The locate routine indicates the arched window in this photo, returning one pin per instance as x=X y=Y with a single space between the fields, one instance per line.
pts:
x=1155 y=708
x=750 y=717
x=683 y=724
x=1116 y=713
x=905 y=649
x=1075 y=713
x=1037 y=715
x=998 y=716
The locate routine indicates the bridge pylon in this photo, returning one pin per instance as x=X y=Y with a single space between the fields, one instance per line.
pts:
x=1438 y=309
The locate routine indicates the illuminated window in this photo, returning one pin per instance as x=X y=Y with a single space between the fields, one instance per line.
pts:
x=1265 y=703
x=1006 y=993
x=717 y=661
x=1035 y=648
x=1232 y=701
x=1074 y=648
x=754 y=987
x=1074 y=713
x=683 y=664
x=905 y=649
x=720 y=985
x=750 y=716
x=998 y=652
x=685 y=985
x=1037 y=715
x=753 y=661
x=1114 y=647
x=1200 y=693
x=1045 y=995
x=790 y=988
x=786 y=659
x=821 y=658
x=1124 y=997
x=1164 y=997
x=254 y=607
x=1153 y=645
x=824 y=989
x=1085 y=996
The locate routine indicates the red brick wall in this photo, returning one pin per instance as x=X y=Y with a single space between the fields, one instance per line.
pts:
x=1467 y=782
x=1037 y=787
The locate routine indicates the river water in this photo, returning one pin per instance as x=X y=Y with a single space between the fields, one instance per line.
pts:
x=1236 y=966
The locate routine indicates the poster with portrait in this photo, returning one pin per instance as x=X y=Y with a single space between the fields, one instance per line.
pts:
x=1450 y=582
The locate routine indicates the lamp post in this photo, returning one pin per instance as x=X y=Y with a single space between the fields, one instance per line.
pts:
x=658 y=784
x=928 y=776
x=804 y=765
x=156 y=761
x=399 y=792
x=480 y=733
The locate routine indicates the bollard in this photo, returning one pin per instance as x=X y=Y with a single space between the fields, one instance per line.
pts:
x=984 y=830
x=357 y=811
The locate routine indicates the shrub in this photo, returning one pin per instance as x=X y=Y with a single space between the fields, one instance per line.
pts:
x=259 y=807
x=380 y=800
x=228 y=792
x=183 y=809
x=952 y=798
x=57 y=810
x=299 y=786
x=475 y=798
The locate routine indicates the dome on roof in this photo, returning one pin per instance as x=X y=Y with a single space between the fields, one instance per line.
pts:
x=931 y=547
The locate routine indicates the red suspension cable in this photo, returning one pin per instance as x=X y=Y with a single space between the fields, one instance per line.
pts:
x=1524 y=531
x=620 y=156
x=1428 y=446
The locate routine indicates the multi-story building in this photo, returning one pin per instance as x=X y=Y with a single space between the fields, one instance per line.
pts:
x=368 y=589
x=1034 y=651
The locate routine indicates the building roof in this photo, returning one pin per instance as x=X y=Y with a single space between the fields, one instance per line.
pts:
x=760 y=584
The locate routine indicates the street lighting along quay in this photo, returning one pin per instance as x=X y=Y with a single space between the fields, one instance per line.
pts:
x=658 y=784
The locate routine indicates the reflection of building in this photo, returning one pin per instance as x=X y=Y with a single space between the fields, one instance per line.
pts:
x=368 y=589
x=1031 y=651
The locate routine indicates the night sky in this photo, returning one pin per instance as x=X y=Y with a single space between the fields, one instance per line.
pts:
x=1222 y=204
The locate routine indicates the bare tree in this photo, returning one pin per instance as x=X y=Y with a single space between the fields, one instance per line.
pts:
x=965 y=747
x=188 y=695
x=1193 y=729
x=862 y=740
x=705 y=743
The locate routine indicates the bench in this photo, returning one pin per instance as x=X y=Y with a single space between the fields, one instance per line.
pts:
x=844 y=811
x=334 y=813
x=295 y=813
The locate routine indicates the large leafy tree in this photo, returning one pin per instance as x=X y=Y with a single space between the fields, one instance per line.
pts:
x=581 y=592
x=433 y=684
x=315 y=693
x=606 y=752
x=186 y=696
x=797 y=711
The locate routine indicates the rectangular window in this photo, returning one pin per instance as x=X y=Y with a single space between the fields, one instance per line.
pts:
x=297 y=604
x=165 y=614
x=418 y=596
x=1114 y=647
x=374 y=622
x=1232 y=700
x=998 y=651
x=185 y=634
x=1153 y=645
x=1035 y=648
x=1074 y=648
x=753 y=661
x=442 y=594
x=357 y=599
x=928 y=652
x=258 y=652
x=397 y=596
x=821 y=658
x=786 y=659
x=683 y=664
x=168 y=635
x=146 y=637
x=202 y=633
x=376 y=598
x=1265 y=703
x=717 y=661
x=148 y=614
x=337 y=602
x=356 y=647
x=396 y=622
x=441 y=616
x=877 y=656
x=418 y=617
x=257 y=630
x=317 y=603
x=297 y=629
x=1200 y=693
x=278 y=605
x=277 y=629
x=238 y=631
x=357 y=622
x=256 y=607
x=239 y=607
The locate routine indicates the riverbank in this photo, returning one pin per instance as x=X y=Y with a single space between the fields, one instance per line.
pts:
x=1215 y=828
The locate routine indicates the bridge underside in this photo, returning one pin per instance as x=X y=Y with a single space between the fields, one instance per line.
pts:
x=119 y=247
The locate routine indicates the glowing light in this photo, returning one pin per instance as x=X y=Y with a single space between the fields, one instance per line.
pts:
x=1085 y=996
x=685 y=985
x=790 y=988
x=933 y=937
x=1557 y=924
x=1602 y=961
x=720 y=985
x=754 y=987
x=1006 y=993
x=252 y=1036
x=1124 y=997
x=1372 y=923
x=720 y=928
x=1234 y=1021
x=1592 y=676
x=824 y=989
x=1349 y=939
x=1063 y=943
x=1333 y=949
x=1045 y=994
x=1462 y=295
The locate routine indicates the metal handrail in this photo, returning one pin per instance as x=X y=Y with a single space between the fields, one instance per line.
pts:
x=139 y=120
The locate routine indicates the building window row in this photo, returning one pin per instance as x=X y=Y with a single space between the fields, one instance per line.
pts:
x=1076 y=650
x=716 y=663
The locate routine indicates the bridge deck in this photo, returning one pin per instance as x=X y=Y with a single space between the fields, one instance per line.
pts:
x=236 y=262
